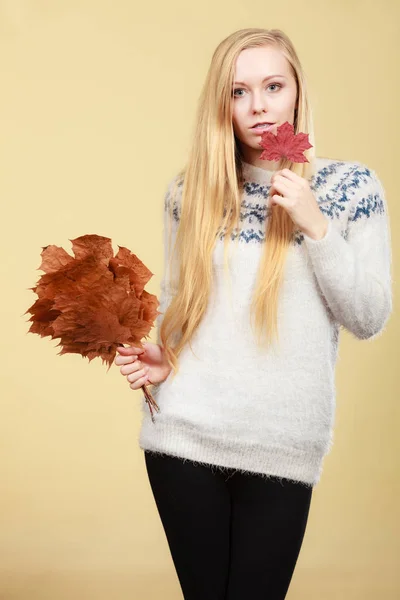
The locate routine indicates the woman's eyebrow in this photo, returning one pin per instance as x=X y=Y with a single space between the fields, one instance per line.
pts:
x=265 y=79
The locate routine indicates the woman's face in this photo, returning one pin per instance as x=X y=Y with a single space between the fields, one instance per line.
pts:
x=272 y=100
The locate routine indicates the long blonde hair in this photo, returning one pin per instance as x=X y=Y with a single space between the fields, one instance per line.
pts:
x=210 y=187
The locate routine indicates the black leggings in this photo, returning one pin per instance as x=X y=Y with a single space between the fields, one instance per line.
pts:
x=232 y=535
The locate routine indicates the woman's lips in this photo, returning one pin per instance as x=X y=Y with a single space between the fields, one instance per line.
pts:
x=260 y=130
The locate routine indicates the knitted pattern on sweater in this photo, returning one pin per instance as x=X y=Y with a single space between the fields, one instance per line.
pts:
x=272 y=412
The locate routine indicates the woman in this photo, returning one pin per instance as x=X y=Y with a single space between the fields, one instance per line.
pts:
x=246 y=414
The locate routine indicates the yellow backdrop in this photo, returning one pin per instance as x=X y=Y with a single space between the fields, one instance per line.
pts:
x=97 y=106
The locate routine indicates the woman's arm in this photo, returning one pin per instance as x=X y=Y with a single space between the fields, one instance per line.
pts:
x=354 y=274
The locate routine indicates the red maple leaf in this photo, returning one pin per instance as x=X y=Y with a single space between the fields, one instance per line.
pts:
x=285 y=144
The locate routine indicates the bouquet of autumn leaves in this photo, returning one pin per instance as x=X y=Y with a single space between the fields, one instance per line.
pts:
x=94 y=301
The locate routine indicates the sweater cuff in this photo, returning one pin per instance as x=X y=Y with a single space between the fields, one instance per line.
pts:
x=327 y=251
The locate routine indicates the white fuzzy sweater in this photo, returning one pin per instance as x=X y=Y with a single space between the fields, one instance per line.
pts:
x=272 y=412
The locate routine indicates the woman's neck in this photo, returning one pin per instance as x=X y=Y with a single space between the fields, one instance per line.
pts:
x=256 y=174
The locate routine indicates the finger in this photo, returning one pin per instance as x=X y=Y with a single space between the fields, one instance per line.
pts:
x=135 y=349
x=139 y=382
x=282 y=182
x=278 y=200
x=132 y=367
x=124 y=360
x=280 y=190
x=288 y=174
x=131 y=377
x=129 y=350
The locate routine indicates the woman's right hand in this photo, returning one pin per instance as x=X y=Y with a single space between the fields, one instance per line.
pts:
x=142 y=366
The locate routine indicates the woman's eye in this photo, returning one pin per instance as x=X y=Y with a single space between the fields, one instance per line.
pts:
x=241 y=89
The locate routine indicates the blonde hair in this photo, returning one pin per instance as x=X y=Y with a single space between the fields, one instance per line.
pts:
x=211 y=186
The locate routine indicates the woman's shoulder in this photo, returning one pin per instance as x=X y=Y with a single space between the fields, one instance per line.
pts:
x=355 y=176
x=338 y=176
x=337 y=167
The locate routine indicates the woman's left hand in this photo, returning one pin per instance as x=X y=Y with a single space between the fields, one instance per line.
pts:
x=299 y=201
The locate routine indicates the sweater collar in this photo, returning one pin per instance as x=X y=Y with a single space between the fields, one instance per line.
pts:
x=251 y=173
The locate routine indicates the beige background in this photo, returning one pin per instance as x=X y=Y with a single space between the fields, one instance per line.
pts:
x=97 y=106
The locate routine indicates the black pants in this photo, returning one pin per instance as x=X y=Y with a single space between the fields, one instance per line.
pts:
x=232 y=535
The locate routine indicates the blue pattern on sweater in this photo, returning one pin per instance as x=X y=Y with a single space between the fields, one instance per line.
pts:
x=331 y=203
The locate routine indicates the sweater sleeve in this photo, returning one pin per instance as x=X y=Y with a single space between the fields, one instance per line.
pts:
x=354 y=272
x=170 y=218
